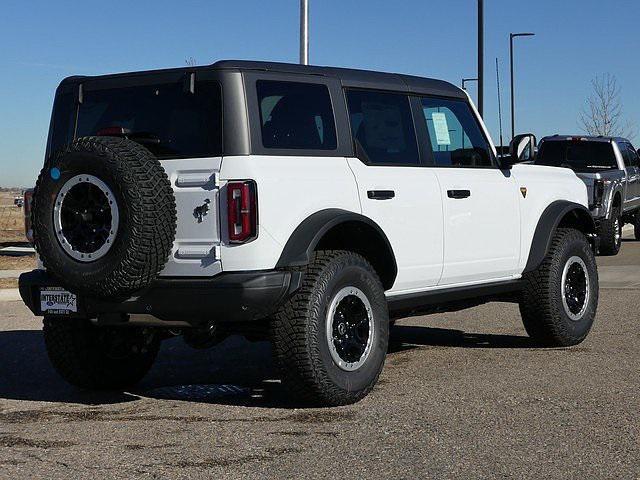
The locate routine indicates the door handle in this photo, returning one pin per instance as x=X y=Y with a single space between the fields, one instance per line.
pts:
x=458 y=193
x=381 y=194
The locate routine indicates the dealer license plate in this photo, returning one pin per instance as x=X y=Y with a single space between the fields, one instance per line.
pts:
x=57 y=301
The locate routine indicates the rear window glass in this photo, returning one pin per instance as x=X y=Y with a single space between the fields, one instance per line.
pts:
x=296 y=116
x=577 y=155
x=167 y=118
x=382 y=126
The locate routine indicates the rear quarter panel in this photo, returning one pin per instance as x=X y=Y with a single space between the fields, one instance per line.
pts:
x=290 y=189
x=544 y=185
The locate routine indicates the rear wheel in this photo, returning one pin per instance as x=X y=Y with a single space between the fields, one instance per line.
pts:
x=331 y=338
x=99 y=358
x=611 y=233
x=560 y=297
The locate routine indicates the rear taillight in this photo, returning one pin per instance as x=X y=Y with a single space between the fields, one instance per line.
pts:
x=26 y=204
x=598 y=193
x=242 y=211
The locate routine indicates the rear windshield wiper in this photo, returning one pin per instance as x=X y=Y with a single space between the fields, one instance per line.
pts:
x=140 y=137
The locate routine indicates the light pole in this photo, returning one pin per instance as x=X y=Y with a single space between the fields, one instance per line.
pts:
x=467 y=80
x=304 y=32
x=513 y=115
x=480 y=57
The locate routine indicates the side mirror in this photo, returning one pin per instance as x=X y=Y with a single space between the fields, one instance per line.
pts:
x=523 y=148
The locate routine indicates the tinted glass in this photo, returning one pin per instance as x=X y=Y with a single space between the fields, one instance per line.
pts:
x=296 y=116
x=63 y=121
x=382 y=126
x=166 y=118
x=630 y=156
x=456 y=137
x=581 y=156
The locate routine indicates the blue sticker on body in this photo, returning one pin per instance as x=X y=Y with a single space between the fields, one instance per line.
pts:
x=55 y=173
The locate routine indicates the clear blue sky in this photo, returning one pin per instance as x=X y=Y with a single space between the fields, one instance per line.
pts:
x=44 y=41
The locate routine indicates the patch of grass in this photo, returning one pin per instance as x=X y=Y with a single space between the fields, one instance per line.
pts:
x=25 y=262
x=8 y=283
x=11 y=218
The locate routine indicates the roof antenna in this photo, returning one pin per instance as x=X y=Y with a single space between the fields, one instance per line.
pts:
x=499 y=107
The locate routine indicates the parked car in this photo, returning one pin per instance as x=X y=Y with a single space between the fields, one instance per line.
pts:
x=18 y=202
x=610 y=168
x=308 y=205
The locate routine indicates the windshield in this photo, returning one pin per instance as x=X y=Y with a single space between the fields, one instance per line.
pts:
x=167 y=118
x=581 y=156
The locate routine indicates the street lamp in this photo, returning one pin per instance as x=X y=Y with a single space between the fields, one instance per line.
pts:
x=513 y=116
x=481 y=57
x=304 y=32
x=466 y=80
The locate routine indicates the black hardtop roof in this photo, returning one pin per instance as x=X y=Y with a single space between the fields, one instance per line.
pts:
x=348 y=77
x=586 y=138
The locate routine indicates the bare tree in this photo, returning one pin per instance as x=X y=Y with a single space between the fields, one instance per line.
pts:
x=191 y=62
x=603 y=114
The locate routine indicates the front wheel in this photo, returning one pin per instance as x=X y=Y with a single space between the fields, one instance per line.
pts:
x=611 y=234
x=100 y=358
x=330 y=339
x=560 y=297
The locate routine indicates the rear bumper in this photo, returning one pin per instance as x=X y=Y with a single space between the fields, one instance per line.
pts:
x=227 y=297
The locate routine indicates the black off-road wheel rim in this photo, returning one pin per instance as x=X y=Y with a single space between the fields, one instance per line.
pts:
x=85 y=218
x=350 y=328
x=575 y=288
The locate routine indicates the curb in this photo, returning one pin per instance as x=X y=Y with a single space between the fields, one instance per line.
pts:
x=9 y=295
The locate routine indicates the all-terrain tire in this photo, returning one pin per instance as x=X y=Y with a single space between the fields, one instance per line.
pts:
x=146 y=208
x=636 y=225
x=300 y=338
x=611 y=233
x=548 y=319
x=99 y=358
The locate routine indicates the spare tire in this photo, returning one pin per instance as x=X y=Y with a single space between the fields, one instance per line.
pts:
x=104 y=216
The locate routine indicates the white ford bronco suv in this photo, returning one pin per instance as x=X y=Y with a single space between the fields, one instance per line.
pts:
x=308 y=205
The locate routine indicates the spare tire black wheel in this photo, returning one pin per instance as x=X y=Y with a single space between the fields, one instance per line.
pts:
x=104 y=216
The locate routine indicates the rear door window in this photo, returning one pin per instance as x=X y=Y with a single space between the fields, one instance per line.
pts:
x=382 y=127
x=629 y=155
x=296 y=115
x=168 y=119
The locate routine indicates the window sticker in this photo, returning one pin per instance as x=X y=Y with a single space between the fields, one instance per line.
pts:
x=441 y=128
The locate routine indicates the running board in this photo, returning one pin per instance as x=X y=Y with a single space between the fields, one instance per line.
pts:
x=471 y=294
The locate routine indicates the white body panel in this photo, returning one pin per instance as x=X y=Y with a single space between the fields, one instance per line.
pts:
x=544 y=185
x=412 y=220
x=481 y=232
x=438 y=242
x=290 y=189
x=195 y=249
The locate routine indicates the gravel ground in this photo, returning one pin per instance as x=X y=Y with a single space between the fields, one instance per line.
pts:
x=463 y=395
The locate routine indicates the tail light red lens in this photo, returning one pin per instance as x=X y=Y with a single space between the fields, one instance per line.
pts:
x=242 y=211
x=26 y=205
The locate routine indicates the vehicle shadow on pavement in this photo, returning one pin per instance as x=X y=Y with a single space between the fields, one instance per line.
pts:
x=404 y=337
x=235 y=372
x=26 y=374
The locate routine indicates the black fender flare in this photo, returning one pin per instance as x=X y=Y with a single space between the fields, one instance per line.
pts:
x=547 y=224
x=304 y=239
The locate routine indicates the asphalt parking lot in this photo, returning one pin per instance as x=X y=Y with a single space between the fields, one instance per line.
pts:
x=462 y=395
